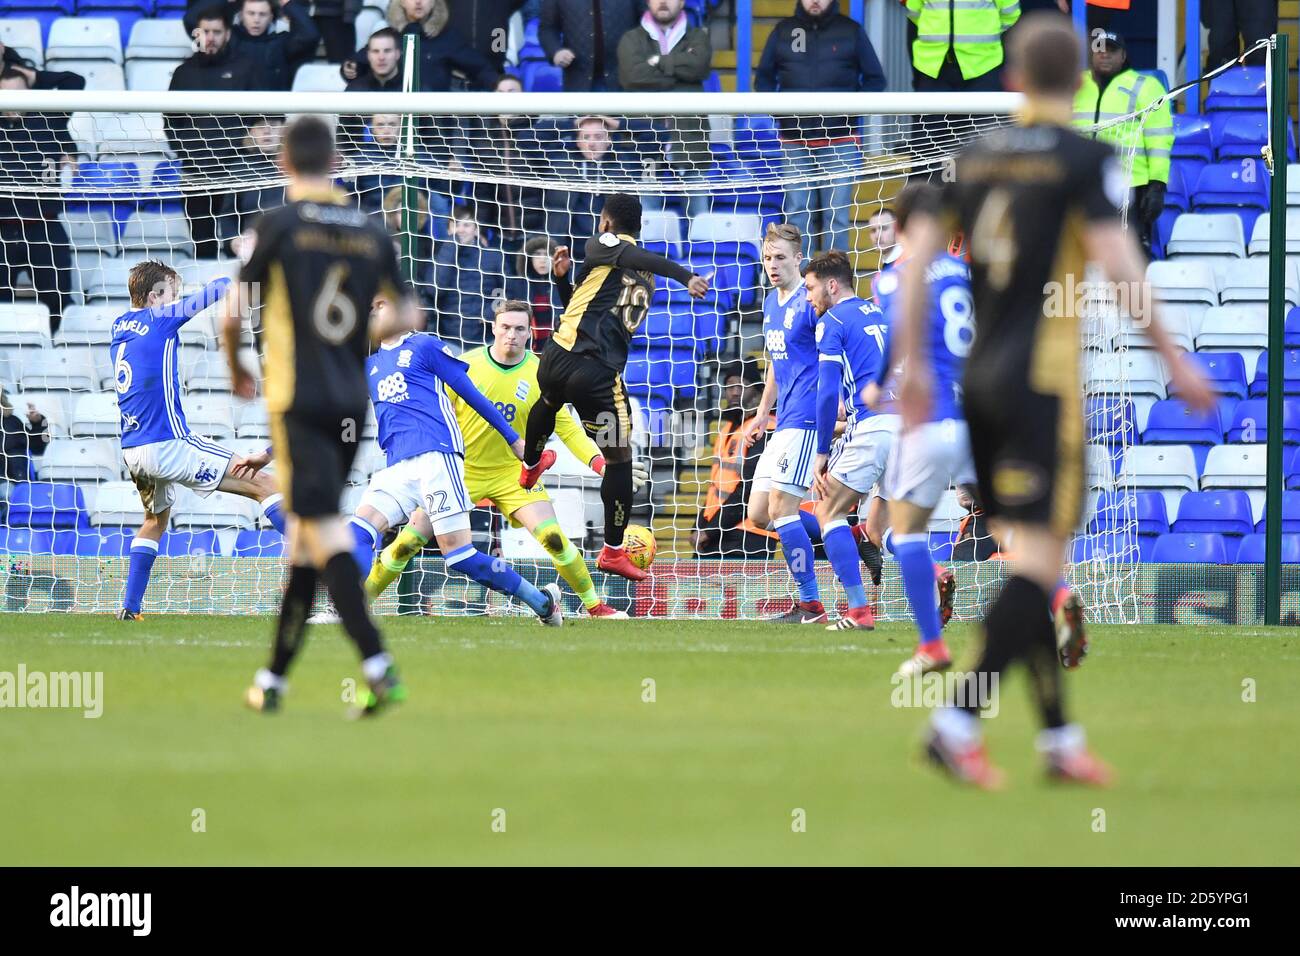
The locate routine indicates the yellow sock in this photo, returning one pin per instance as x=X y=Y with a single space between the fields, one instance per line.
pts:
x=392 y=561
x=568 y=561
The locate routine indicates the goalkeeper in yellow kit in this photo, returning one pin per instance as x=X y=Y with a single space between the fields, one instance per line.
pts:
x=506 y=372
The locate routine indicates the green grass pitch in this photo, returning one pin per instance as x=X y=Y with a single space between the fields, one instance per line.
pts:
x=547 y=733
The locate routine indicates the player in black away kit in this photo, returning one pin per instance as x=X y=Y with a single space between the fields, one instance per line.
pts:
x=318 y=263
x=584 y=360
x=1035 y=201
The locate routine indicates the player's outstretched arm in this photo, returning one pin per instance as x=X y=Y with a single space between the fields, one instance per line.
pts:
x=561 y=273
x=643 y=260
x=452 y=371
x=1116 y=251
x=190 y=306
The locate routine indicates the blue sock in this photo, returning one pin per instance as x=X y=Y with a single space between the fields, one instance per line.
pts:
x=273 y=510
x=367 y=538
x=917 y=569
x=143 y=554
x=798 y=551
x=498 y=575
x=810 y=525
x=843 y=553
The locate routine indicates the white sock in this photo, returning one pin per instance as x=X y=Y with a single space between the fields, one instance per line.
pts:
x=1060 y=740
x=265 y=680
x=376 y=667
x=956 y=726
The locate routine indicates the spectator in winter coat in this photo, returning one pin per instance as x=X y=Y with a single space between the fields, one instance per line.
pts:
x=486 y=25
x=279 y=54
x=384 y=75
x=21 y=440
x=818 y=49
x=536 y=288
x=468 y=277
x=581 y=37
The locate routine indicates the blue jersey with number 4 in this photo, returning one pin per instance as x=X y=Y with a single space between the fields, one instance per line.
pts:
x=789 y=335
x=854 y=334
x=145 y=367
x=950 y=321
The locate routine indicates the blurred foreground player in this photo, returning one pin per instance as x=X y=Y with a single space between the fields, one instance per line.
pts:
x=1036 y=201
x=317 y=263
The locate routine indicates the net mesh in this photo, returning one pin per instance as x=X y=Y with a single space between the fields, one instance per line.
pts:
x=476 y=204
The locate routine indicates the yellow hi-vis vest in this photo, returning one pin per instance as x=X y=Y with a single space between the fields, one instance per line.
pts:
x=1142 y=146
x=971 y=28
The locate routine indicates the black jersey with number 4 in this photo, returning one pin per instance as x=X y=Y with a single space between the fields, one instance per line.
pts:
x=611 y=298
x=318 y=264
x=1023 y=196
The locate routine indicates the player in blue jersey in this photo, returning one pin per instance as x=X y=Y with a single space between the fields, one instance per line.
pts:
x=425 y=478
x=927 y=459
x=160 y=451
x=851 y=350
x=784 y=473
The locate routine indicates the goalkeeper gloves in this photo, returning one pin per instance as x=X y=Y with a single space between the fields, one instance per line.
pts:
x=640 y=473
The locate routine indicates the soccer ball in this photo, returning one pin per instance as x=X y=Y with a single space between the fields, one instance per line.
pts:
x=640 y=545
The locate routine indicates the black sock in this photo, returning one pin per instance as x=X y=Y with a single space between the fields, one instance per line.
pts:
x=1018 y=627
x=295 y=607
x=343 y=581
x=541 y=423
x=616 y=492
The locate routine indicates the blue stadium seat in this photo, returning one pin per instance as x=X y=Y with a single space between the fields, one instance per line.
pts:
x=1292 y=331
x=183 y=544
x=65 y=542
x=1241 y=135
x=1192 y=137
x=252 y=543
x=1226 y=187
x=1177 y=188
x=104 y=182
x=21 y=541
x=104 y=542
x=658 y=373
x=1290 y=514
x=1190 y=549
x=1250 y=422
x=757 y=135
x=1291 y=467
x=1227 y=512
x=1106 y=547
x=1241 y=88
x=46 y=505
x=1226 y=372
x=1164 y=229
x=541 y=77
x=1252 y=549
x=1112 y=421
x=1172 y=422
x=734 y=278
x=1290 y=374
x=670 y=325
x=1115 y=509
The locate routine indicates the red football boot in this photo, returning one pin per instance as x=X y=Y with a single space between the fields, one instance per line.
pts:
x=529 y=474
x=616 y=561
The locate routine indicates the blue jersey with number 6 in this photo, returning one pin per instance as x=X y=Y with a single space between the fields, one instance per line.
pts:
x=788 y=335
x=950 y=320
x=853 y=332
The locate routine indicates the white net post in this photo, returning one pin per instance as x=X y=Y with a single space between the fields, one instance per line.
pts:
x=477 y=189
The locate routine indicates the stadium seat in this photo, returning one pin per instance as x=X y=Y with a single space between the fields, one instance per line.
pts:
x=210 y=414
x=1250 y=422
x=1290 y=514
x=1100 y=467
x=156 y=234
x=368 y=21
x=80 y=459
x=1172 y=422
x=1241 y=88
x=153 y=75
x=1235 y=466
x=1251 y=550
x=90 y=325
x=83 y=38
x=100 y=75
x=661 y=231
x=96 y=416
x=1225 y=512
x=153 y=39
x=118 y=133
x=1260 y=239
x=1112 y=421
x=1183 y=281
x=1229 y=186
x=1115 y=510
x=1225 y=371
x=1247 y=281
x=1107 y=548
x=25 y=541
x=1207 y=234
x=23 y=36
x=1190 y=549
x=45 y=505
x=217 y=510
x=722 y=228
x=205 y=372
x=103 y=542
x=25 y=324
x=1241 y=134
x=251 y=543
x=200 y=332
x=1290 y=374
x=1233 y=328
x=100 y=277
x=1129 y=373
x=92 y=230
x=1192 y=137
x=538 y=76
x=196 y=273
x=71 y=368
x=116 y=503
x=1171 y=467
x=251 y=421
x=185 y=544
x=318 y=78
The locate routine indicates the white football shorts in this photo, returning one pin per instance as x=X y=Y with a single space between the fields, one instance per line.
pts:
x=434 y=481
x=192 y=462
x=927 y=460
x=858 y=459
x=787 y=462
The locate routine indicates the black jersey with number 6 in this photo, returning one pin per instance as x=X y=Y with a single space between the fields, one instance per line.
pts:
x=612 y=298
x=318 y=263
